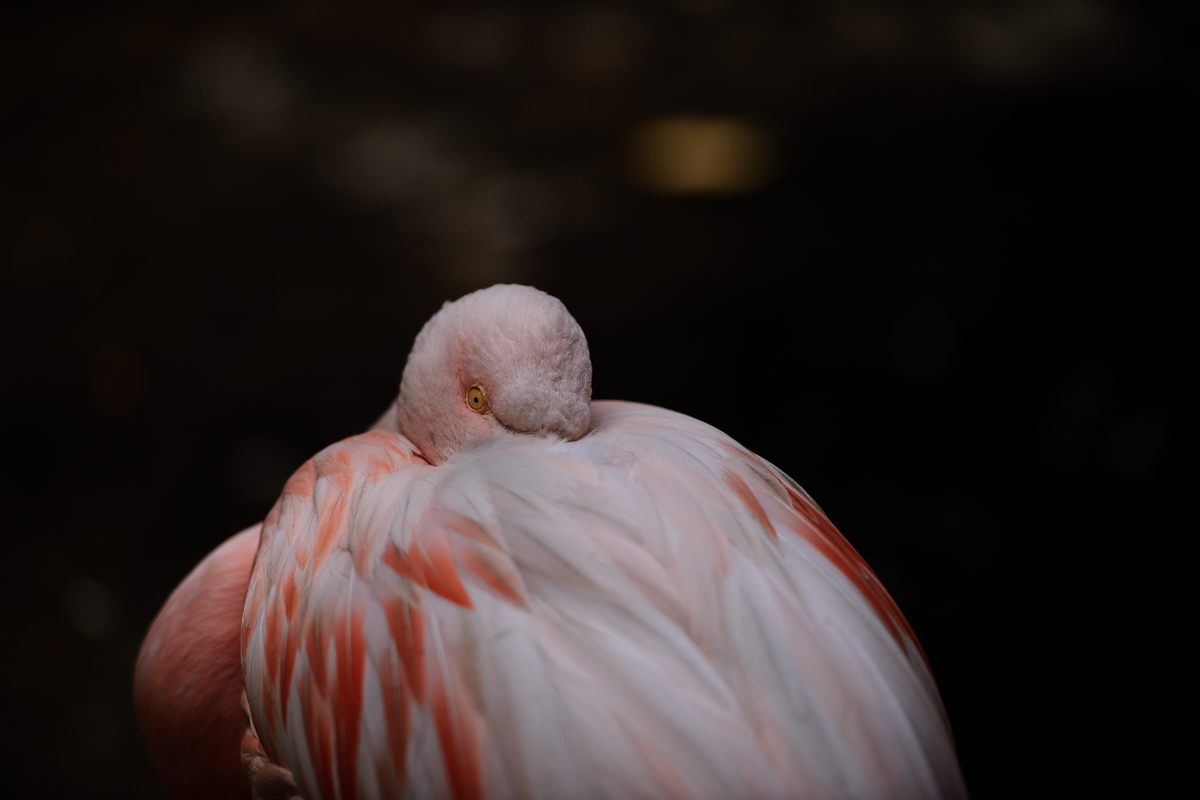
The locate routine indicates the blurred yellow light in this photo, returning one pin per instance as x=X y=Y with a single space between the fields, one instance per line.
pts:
x=700 y=155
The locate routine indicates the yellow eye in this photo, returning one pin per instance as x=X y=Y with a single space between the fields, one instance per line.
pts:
x=477 y=399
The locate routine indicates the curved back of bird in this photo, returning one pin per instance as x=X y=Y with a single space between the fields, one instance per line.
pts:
x=651 y=610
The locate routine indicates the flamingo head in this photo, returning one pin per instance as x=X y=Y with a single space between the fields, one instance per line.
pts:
x=502 y=360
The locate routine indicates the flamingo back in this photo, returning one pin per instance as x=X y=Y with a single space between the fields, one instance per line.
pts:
x=649 y=611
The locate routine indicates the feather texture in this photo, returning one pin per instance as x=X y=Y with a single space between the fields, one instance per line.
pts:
x=648 y=611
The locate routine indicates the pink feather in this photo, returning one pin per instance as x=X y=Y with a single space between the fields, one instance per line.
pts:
x=544 y=596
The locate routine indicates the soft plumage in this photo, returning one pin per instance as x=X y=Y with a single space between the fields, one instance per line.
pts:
x=539 y=596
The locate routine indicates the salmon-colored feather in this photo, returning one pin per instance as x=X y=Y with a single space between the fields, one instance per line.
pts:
x=188 y=678
x=459 y=731
x=561 y=547
x=541 y=596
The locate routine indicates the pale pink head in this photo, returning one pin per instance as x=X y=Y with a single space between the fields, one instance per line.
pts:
x=507 y=359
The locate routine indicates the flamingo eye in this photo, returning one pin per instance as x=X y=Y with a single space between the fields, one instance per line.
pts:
x=477 y=399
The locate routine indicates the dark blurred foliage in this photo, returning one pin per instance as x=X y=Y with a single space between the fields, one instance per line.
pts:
x=931 y=287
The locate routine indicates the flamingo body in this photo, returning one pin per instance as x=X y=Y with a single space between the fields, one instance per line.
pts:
x=508 y=590
x=187 y=683
x=650 y=611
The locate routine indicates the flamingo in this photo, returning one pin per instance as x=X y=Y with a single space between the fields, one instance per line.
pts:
x=506 y=589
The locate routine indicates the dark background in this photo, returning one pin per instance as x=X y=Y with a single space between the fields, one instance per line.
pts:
x=938 y=302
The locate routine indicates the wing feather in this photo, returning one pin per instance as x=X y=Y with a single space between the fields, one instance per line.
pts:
x=650 y=611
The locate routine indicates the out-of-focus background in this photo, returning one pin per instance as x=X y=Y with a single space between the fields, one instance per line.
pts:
x=906 y=251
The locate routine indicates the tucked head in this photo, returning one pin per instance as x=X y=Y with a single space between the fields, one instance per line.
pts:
x=507 y=358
